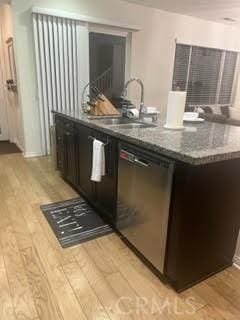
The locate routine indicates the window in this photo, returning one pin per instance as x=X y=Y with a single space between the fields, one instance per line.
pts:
x=107 y=62
x=181 y=67
x=228 y=77
x=206 y=74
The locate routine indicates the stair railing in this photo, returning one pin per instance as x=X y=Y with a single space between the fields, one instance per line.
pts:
x=103 y=82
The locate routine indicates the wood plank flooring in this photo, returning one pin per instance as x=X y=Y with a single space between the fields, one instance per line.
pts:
x=99 y=280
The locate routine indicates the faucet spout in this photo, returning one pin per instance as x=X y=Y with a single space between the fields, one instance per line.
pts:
x=139 y=81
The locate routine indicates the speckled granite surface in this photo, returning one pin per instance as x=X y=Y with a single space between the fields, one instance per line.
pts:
x=197 y=144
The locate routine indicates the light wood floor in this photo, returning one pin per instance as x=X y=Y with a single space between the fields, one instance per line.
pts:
x=101 y=279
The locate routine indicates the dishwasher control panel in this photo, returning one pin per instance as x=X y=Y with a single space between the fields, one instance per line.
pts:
x=126 y=155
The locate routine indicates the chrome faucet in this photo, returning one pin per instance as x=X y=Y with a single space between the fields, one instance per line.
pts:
x=124 y=93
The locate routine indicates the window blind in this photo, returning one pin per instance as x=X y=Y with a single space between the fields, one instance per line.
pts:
x=228 y=77
x=203 y=76
x=181 y=67
x=206 y=74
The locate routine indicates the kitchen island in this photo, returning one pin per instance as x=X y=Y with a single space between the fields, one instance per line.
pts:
x=204 y=209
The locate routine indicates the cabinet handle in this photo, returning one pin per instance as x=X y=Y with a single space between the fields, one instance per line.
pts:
x=141 y=163
x=92 y=138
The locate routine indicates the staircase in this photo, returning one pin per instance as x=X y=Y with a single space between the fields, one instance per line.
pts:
x=104 y=82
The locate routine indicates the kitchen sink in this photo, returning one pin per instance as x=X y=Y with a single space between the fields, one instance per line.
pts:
x=114 y=121
x=133 y=125
x=124 y=123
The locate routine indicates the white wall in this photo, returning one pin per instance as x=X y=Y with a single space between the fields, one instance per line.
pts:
x=13 y=108
x=152 y=49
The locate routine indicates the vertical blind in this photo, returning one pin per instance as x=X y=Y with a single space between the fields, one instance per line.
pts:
x=206 y=74
x=61 y=51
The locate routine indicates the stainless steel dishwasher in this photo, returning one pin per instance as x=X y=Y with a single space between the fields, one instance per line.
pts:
x=144 y=192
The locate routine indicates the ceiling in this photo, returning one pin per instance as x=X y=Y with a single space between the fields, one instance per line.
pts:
x=214 y=10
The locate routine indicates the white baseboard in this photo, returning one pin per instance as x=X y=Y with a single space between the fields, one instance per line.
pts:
x=32 y=154
x=236 y=261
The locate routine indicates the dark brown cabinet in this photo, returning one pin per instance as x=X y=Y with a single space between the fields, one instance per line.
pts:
x=70 y=155
x=74 y=160
x=60 y=147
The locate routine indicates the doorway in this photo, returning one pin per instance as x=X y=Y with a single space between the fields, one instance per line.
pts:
x=108 y=57
x=4 y=133
x=10 y=112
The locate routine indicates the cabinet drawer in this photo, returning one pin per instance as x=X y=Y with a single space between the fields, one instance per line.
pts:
x=59 y=121
x=67 y=125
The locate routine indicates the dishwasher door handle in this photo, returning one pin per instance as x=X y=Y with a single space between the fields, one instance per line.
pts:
x=141 y=163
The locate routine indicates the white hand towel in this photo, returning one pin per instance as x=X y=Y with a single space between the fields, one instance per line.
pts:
x=98 y=161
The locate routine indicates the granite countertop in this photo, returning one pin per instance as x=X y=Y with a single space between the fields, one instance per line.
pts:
x=198 y=143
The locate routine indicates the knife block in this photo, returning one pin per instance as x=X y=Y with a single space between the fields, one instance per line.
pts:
x=104 y=108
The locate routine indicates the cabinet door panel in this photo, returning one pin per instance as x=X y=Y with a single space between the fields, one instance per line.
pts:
x=106 y=190
x=66 y=149
x=70 y=155
x=84 y=161
x=61 y=163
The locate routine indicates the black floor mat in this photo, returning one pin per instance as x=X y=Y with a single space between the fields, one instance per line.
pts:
x=74 y=221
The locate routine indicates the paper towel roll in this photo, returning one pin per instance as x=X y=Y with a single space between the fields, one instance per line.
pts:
x=175 y=110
